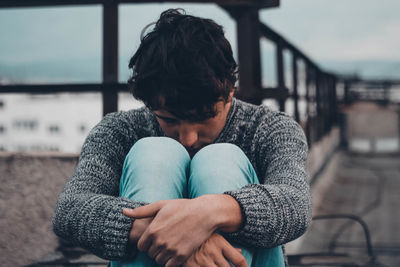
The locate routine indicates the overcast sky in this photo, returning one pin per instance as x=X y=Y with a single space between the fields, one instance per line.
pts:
x=340 y=29
x=323 y=29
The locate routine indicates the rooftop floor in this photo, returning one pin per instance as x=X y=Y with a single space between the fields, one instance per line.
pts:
x=365 y=186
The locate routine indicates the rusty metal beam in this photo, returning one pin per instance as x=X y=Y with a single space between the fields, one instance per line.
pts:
x=333 y=100
x=269 y=92
x=275 y=92
x=280 y=71
x=295 y=88
x=370 y=82
x=249 y=55
x=308 y=110
x=62 y=88
x=110 y=56
x=318 y=82
x=38 y=3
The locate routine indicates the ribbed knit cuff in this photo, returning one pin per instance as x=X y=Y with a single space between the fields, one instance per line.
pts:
x=256 y=218
x=116 y=232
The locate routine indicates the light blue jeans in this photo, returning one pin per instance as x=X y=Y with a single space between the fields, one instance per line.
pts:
x=159 y=168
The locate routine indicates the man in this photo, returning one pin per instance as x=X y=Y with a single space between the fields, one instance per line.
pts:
x=226 y=180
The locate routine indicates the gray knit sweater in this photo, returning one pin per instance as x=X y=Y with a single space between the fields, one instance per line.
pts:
x=89 y=211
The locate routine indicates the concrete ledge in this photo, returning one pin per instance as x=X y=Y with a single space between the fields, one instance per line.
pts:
x=30 y=185
x=321 y=157
x=41 y=155
x=321 y=151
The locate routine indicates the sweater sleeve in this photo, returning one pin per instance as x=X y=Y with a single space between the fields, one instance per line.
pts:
x=88 y=211
x=279 y=209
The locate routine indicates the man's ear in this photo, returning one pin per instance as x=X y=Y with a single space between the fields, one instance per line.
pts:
x=231 y=95
x=229 y=99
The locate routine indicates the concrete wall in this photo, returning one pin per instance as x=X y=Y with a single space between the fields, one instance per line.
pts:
x=30 y=185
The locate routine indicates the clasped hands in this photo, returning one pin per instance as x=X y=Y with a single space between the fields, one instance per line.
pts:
x=181 y=232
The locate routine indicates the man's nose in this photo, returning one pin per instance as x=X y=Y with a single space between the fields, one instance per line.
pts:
x=188 y=137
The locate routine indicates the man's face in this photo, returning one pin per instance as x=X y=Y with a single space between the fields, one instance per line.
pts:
x=194 y=135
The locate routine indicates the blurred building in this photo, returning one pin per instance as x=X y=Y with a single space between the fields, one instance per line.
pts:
x=33 y=123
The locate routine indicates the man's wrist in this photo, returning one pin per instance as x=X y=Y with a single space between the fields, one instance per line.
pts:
x=226 y=212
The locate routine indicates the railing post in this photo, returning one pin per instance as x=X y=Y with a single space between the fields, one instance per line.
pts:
x=248 y=37
x=110 y=56
x=386 y=93
x=327 y=105
x=309 y=119
x=334 y=106
x=318 y=103
x=295 y=90
x=347 y=85
x=322 y=103
x=280 y=71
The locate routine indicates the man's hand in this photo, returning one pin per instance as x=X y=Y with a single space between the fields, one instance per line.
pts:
x=138 y=228
x=216 y=251
x=178 y=228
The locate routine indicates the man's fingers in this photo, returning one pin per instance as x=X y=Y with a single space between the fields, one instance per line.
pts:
x=234 y=256
x=191 y=262
x=144 y=242
x=153 y=251
x=162 y=257
x=138 y=228
x=176 y=261
x=144 y=211
x=221 y=261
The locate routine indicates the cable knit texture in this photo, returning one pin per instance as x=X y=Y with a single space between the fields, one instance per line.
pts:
x=278 y=210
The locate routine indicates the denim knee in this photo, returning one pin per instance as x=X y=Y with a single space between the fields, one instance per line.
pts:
x=155 y=168
x=219 y=153
x=218 y=168
x=154 y=144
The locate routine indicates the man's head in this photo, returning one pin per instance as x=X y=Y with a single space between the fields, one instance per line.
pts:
x=185 y=72
x=184 y=66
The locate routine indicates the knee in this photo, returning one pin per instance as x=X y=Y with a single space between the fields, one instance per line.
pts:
x=155 y=164
x=157 y=143
x=217 y=157
x=154 y=148
x=219 y=152
x=218 y=168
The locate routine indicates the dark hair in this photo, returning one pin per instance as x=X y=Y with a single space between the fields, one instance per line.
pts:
x=184 y=65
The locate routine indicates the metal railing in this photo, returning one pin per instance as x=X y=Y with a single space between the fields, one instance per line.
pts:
x=320 y=92
x=320 y=96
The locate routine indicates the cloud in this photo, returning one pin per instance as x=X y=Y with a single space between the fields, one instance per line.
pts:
x=41 y=34
x=357 y=29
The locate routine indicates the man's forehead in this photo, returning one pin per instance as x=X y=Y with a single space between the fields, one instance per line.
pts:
x=191 y=116
x=164 y=113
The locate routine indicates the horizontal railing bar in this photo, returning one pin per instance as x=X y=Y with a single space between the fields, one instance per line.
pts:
x=268 y=92
x=275 y=92
x=374 y=83
x=36 y=3
x=63 y=88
